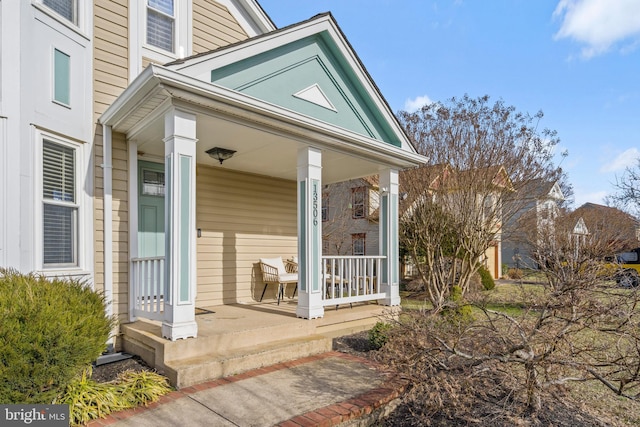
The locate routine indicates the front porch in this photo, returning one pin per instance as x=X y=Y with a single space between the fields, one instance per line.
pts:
x=239 y=337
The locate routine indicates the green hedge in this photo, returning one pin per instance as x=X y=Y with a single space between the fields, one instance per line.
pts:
x=51 y=329
x=487 y=280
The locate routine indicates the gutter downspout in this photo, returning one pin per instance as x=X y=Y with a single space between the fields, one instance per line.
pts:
x=108 y=223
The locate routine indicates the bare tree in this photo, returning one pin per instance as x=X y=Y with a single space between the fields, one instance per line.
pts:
x=579 y=327
x=628 y=189
x=479 y=153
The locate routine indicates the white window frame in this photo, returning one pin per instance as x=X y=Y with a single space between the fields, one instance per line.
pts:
x=82 y=203
x=138 y=47
x=83 y=23
x=357 y=237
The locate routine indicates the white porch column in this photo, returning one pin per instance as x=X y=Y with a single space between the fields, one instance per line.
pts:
x=309 y=233
x=180 y=216
x=389 y=275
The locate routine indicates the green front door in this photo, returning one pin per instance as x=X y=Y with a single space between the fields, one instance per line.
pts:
x=150 y=209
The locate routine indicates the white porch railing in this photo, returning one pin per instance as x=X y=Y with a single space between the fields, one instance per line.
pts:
x=349 y=279
x=147 y=287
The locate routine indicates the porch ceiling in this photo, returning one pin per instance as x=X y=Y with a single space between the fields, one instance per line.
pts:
x=258 y=151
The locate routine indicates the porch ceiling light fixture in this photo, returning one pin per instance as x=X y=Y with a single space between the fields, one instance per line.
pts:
x=220 y=154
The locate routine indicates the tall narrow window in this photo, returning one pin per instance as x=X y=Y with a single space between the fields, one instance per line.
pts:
x=68 y=9
x=359 y=202
x=60 y=210
x=161 y=24
x=358 y=244
x=61 y=77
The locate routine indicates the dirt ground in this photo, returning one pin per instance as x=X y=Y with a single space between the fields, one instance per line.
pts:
x=110 y=371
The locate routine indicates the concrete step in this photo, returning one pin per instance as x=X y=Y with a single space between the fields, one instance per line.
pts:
x=186 y=372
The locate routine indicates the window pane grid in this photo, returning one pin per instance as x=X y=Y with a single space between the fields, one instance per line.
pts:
x=159 y=30
x=64 y=8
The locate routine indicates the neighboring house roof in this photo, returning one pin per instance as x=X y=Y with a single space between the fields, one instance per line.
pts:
x=580 y=228
x=537 y=189
x=618 y=226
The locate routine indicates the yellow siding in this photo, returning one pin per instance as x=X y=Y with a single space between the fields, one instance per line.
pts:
x=243 y=218
x=110 y=74
x=111 y=52
x=214 y=26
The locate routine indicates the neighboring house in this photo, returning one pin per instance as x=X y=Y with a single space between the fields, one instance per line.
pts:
x=536 y=202
x=113 y=170
x=443 y=182
x=350 y=217
x=620 y=229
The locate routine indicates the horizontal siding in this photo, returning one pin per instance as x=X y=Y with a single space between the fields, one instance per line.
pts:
x=214 y=26
x=243 y=218
x=111 y=52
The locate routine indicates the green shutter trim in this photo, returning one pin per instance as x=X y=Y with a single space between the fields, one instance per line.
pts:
x=384 y=215
x=61 y=77
x=168 y=241
x=185 y=230
x=315 y=238
x=302 y=235
x=278 y=75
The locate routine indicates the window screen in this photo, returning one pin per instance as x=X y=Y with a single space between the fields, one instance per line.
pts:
x=60 y=211
x=160 y=24
x=64 y=8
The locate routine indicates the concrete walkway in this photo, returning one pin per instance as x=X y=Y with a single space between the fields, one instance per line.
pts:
x=329 y=389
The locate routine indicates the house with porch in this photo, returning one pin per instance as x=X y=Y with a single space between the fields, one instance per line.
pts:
x=162 y=148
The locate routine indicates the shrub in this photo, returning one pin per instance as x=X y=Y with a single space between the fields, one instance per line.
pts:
x=89 y=399
x=457 y=311
x=379 y=335
x=515 y=274
x=51 y=330
x=505 y=269
x=487 y=281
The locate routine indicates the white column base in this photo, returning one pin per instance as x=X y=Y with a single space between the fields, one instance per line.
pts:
x=393 y=295
x=177 y=331
x=305 y=310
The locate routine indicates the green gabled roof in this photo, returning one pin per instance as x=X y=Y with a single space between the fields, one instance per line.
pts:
x=309 y=68
x=309 y=76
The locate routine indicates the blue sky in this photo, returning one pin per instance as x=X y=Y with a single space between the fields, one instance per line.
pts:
x=576 y=60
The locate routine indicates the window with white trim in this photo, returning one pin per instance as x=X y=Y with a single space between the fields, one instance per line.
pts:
x=358 y=244
x=68 y=9
x=59 y=205
x=161 y=20
x=359 y=202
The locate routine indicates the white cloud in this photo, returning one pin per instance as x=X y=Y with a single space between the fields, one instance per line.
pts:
x=413 y=105
x=599 y=24
x=624 y=160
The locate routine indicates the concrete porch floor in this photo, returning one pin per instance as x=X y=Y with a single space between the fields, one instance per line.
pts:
x=240 y=337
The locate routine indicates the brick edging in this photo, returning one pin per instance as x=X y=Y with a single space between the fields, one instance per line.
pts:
x=327 y=416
